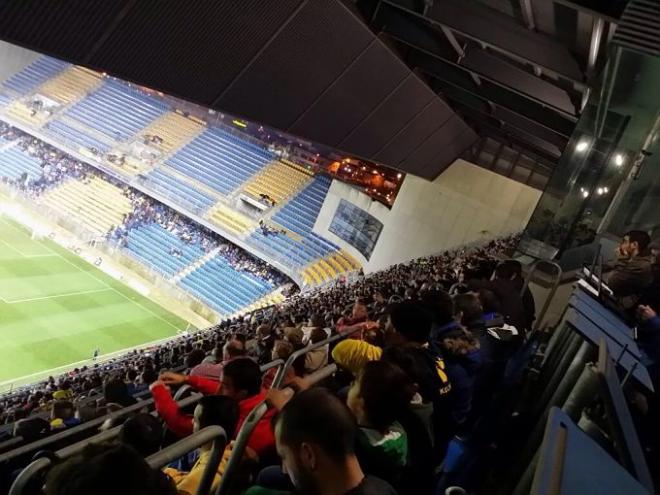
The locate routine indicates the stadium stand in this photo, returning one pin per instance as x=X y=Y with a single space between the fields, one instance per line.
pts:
x=178 y=189
x=219 y=159
x=154 y=246
x=230 y=219
x=117 y=110
x=171 y=131
x=34 y=75
x=75 y=138
x=97 y=204
x=14 y=163
x=299 y=214
x=278 y=180
x=219 y=285
x=70 y=85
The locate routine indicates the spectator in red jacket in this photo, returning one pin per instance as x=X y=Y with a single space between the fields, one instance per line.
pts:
x=241 y=381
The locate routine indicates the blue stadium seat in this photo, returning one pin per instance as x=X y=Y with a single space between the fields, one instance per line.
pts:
x=220 y=160
x=151 y=244
x=222 y=287
x=117 y=110
x=299 y=214
x=34 y=74
x=14 y=163
x=75 y=136
x=181 y=192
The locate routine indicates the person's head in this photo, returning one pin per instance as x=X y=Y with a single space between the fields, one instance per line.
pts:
x=62 y=409
x=438 y=303
x=315 y=434
x=195 y=357
x=31 y=429
x=467 y=308
x=316 y=320
x=634 y=243
x=143 y=432
x=115 y=391
x=233 y=348
x=217 y=353
x=408 y=322
x=317 y=335
x=241 y=378
x=105 y=469
x=379 y=394
x=282 y=350
x=511 y=269
x=216 y=410
x=489 y=301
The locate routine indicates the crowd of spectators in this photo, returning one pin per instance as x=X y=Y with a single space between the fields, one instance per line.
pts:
x=56 y=165
x=394 y=315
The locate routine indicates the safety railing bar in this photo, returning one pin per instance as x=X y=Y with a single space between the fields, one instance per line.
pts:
x=251 y=422
x=215 y=434
x=555 y=284
x=279 y=377
x=182 y=390
x=32 y=469
x=38 y=444
x=104 y=436
x=271 y=364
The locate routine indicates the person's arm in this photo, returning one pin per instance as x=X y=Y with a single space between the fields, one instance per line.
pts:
x=203 y=385
x=179 y=423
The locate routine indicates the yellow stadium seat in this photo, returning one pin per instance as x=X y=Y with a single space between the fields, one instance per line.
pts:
x=70 y=85
x=230 y=219
x=174 y=129
x=278 y=180
x=94 y=203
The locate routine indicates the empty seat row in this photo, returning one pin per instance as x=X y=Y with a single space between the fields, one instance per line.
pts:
x=279 y=181
x=75 y=137
x=117 y=110
x=95 y=203
x=14 y=163
x=70 y=84
x=230 y=219
x=219 y=160
x=34 y=74
x=161 y=249
x=299 y=214
x=223 y=288
x=182 y=192
x=174 y=130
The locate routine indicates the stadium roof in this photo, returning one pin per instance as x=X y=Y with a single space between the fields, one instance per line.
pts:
x=308 y=67
x=518 y=71
x=407 y=83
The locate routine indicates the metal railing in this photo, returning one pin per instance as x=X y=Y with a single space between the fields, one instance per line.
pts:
x=250 y=424
x=215 y=434
x=556 y=280
x=281 y=373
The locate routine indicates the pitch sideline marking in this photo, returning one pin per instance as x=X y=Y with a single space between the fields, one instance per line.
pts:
x=54 y=296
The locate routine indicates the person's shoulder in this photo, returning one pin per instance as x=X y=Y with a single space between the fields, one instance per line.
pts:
x=373 y=486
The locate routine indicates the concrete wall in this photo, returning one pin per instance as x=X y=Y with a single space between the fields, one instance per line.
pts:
x=14 y=58
x=464 y=204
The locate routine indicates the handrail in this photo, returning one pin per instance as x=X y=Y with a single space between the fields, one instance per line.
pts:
x=42 y=443
x=279 y=377
x=26 y=475
x=555 y=284
x=182 y=390
x=250 y=424
x=271 y=364
x=215 y=434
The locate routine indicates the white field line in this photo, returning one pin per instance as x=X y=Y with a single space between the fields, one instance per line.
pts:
x=54 y=296
x=99 y=280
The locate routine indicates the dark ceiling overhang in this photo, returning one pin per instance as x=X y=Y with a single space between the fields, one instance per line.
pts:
x=308 y=67
x=519 y=70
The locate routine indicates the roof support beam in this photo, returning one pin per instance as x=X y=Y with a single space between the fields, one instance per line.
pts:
x=501 y=34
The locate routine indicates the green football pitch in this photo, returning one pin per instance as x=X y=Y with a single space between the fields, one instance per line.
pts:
x=56 y=309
